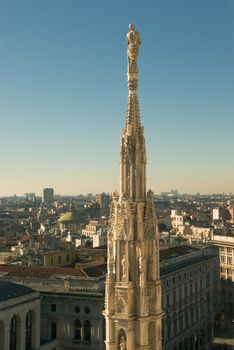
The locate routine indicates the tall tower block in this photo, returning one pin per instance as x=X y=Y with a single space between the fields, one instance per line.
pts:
x=133 y=289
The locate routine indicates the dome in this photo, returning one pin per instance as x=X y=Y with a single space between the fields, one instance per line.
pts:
x=71 y=216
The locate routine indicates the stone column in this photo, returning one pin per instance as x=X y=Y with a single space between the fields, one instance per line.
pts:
x=36 y=327
x=21 y=333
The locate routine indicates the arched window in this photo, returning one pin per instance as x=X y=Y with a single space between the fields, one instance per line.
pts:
x=196 y=312
x=186 y=318
x=192 y=314
x=28 y=331
x=13 y=333
x=87 y=330
x=175 y=324
x=168 y=325
x=2 y=328
x=77 y=327
x=181 y=322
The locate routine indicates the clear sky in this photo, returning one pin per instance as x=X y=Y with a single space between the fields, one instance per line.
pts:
x=63 y=93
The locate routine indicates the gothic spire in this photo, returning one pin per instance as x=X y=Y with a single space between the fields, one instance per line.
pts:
x=133 y=155
x=133 y=290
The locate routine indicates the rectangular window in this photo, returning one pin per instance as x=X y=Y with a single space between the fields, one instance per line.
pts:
x=53 y=307
x=191 y=288
x=185 y=291
x=53 y=330
x=223 y=259
x=174 y=296
x=208 y=281
x=180 y=294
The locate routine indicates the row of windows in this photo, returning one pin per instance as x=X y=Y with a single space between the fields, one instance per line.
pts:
x=226 y=271
x=226 y=250
x=176 y=324
x=226 y=259
x=185 y=276
x=228 y=294
x=59 y=259
x=84 y=331
x=182 y=292
x=53 y=308
x=14 y=330
x=81 y=331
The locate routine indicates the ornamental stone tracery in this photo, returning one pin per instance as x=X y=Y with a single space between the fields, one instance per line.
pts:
x=133 y=288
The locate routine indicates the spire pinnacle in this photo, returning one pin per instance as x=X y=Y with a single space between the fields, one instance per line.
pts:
x=133 y=155
x=133 y=42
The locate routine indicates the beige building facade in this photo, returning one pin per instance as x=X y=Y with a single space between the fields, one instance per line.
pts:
x=225 y=246
x=69 y=306
x=19 y=317
x=190 y=285
x=58 y=258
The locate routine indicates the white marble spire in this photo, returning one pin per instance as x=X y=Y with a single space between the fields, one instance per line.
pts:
x=133 y=290
x=133 y=153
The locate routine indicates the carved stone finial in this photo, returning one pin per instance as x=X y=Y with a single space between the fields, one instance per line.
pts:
x=133 y=42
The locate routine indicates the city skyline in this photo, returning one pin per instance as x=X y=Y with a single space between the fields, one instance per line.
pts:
x=64 y=96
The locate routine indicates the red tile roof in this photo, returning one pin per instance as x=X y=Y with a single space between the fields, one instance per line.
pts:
x=40 y=272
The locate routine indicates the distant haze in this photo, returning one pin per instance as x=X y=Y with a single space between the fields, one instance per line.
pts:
x=63 y=94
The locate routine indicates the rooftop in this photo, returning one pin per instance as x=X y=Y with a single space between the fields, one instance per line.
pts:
x=174 y=252
x=11 y=290
x=47 y=272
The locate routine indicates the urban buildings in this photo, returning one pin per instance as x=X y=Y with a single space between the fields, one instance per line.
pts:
x=19 y=317
x=225 y=244
x=190 y=296
x=48 y=195
x=72 y=301
x=103 y=200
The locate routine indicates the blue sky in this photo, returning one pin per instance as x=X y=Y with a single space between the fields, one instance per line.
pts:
x=63 y=93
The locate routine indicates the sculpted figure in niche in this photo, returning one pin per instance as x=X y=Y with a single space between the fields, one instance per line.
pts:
x=133 y=42
x=151 y=267
x=122 y=343
x=142 y=267
x=141 y=261
x=123 y=263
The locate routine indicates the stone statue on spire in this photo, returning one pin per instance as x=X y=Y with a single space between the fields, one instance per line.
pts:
x=133 y=42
